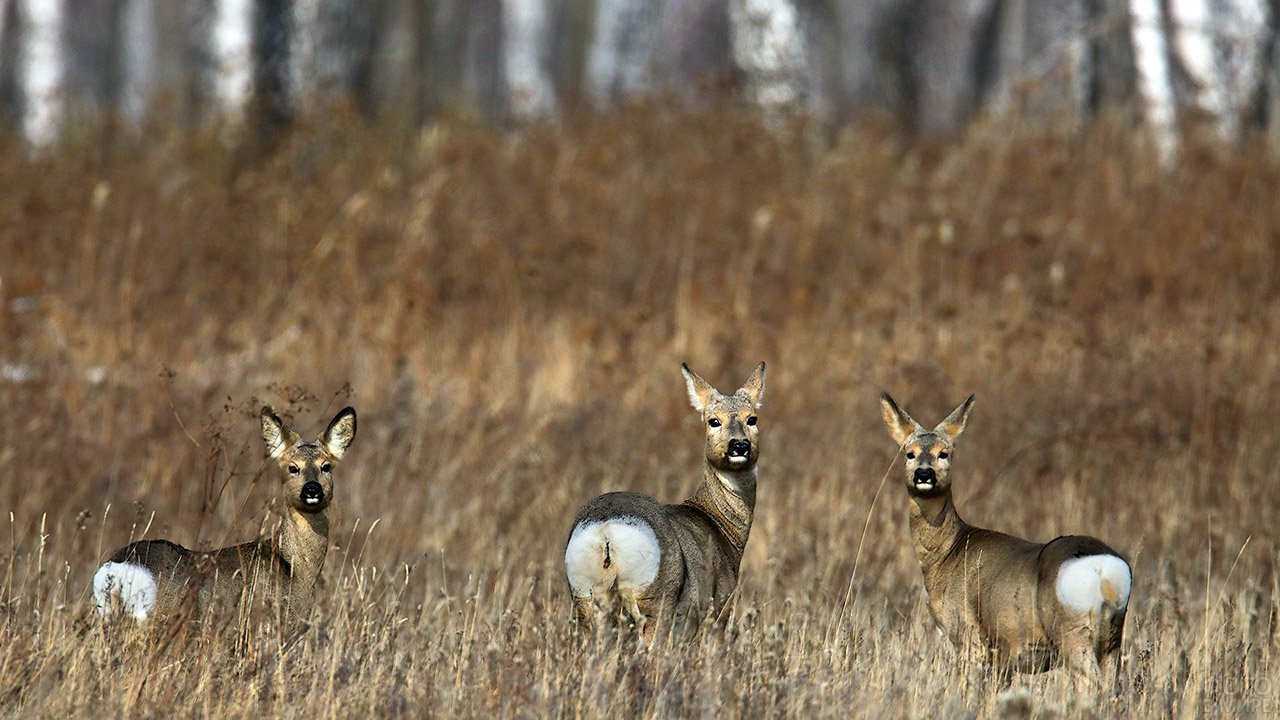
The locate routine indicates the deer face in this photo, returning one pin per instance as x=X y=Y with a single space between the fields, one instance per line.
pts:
x=928 y=452
x=928 y=466
x=732 y=432
x=307 y=467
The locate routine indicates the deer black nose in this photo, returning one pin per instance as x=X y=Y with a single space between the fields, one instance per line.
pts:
x=925 y=475
x=739 y=448
x=312 y=493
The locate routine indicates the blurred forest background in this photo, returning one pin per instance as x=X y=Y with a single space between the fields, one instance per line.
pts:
x=931 y=65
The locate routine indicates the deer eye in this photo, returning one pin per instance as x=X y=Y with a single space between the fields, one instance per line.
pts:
x=714 y=422
x=293 y=470
x=942 y=456
x=326 y=467
x=751 y=421
x=911 y=456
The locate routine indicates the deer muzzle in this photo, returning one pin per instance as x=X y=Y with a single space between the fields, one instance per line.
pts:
x=312 y=493
x=739 y=451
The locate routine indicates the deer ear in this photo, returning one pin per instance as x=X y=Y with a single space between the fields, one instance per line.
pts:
x=341 y=431
x=955 y=422
x=900 y=424
x=277 y=437
x=754 y=387
x=700 y=391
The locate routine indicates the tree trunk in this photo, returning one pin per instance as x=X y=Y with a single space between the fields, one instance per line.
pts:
x=862 y=68
x=1043 y=63
x=331 y=45
x=231 y=58
x=43 y=69
x=1114 y=76
x=768 y=48
x=691 y=57
x=527 y=39
x=620 y=59
x=272 y=32
x=1155 y=82
x=136 y=60
x=946 y=39
x=1219 y=47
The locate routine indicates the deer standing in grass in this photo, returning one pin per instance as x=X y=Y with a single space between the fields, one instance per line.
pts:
x=647 y=564
x=160 y=578
x=1032 y=606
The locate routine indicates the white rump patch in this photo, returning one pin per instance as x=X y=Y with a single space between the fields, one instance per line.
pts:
x=132 y=586
x=1085 y=583
x=623 y=550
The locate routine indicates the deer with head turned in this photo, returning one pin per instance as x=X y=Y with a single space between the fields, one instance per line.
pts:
x=1024 y=605
x=159 y=578
x=640 y=564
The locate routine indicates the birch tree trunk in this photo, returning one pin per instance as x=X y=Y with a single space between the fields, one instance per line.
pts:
x=527 y=65
x=1245 y=49
x=330 y=44
x=768 y=48
x=231 y=56
x=1155 y=81
x=619 y=60
x=1193 y=43
x=1219 y=47
x=42 y=68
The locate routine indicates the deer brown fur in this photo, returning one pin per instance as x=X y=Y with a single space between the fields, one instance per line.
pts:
x=632 y=559
x=1027 y=606
x=159 y=578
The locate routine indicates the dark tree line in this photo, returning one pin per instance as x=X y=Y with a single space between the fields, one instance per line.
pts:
x=932 y=64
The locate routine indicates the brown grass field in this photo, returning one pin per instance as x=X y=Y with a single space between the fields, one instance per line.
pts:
x=508 y=311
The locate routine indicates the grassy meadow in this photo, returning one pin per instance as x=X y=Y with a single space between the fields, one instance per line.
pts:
x=507 y=311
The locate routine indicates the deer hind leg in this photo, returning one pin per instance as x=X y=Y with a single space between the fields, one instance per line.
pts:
x=630 y=613
x=584 y=613
x=1079 y=652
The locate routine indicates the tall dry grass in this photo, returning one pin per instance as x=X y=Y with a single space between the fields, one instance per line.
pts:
x=507 y=311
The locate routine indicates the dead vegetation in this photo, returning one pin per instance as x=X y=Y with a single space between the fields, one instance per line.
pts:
x=508 y=313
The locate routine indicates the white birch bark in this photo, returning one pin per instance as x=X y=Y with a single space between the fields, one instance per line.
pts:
x=1246 y=40
x=42 y=64
x=1155 y=82
x=768 y=47
x=1194 y=46
x=1239 y=38
x=231 y=46
x=619 y=59
x=526 y=63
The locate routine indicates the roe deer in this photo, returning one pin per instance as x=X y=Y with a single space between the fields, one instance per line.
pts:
x=645 y=563
x=1033 y=605
x=160 y=578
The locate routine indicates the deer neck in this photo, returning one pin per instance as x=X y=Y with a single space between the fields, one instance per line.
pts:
x=304 y=540
x=936 y=528
x=729 y=499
